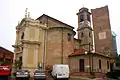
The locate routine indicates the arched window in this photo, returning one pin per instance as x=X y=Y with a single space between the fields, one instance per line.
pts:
x=82 y=34
x=89 y=34
x=81 y=17
x=22 y=37
x=88 y=17
x=69 y=36
x=107 y=64
x=99 y=64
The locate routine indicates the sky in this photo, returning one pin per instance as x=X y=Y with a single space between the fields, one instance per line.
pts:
x=12 y=11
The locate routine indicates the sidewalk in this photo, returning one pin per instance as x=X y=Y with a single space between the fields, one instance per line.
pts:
x=84 y=78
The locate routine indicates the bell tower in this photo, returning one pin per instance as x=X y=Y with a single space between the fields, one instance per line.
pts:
x=84 y=28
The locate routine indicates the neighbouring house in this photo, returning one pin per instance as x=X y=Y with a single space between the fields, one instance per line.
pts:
x=82 y=61
x=6 y=56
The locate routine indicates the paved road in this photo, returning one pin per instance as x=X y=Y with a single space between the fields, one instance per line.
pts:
x=71 y=78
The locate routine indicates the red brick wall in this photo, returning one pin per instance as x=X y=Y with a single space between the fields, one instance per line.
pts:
x=101 y=23
x=6 y=54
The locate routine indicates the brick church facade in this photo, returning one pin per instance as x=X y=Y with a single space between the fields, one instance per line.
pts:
x=48 y=41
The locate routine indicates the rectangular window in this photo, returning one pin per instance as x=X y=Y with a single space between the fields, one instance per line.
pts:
x=69 y=36
x=22 y=37
x=107 y=64
x=88 y=17
x=99 y=64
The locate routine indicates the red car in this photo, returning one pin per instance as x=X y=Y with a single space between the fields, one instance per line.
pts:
x=5 y=72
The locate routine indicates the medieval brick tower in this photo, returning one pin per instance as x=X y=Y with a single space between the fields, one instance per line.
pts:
x=84 y=29
x=102 y=31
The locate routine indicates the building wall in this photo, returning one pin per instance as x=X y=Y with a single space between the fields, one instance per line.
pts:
x=74 y=63
x=54 y=45
x=102 y=31
x=77 y=44
x=44 y=42
x=104 y=67
x=31 y=46
x=58 y=46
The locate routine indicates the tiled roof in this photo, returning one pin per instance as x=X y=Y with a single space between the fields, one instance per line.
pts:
x=4 y=49
x=55 y=20
x=79 y=52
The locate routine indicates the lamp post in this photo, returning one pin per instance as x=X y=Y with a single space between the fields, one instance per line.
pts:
x=90 y=53
x=89 y=61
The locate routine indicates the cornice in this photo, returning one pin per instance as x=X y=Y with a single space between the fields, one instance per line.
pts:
x=18 y=52
x=16 y=46
x=30 y=42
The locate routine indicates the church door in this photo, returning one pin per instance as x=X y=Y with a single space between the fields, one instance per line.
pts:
x=81 y=65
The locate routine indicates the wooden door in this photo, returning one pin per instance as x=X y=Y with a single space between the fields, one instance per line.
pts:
x=81 y=65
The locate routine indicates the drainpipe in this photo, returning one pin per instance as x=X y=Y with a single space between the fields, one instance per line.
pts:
x=62 y=47
x=44 y=56
x=45 y=44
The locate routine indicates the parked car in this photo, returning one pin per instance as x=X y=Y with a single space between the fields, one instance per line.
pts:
x=22 y=74
x=60 y=71
x=39 y=74
x=5 y=72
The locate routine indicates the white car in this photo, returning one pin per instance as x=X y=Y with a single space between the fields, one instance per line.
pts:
x=60 y=71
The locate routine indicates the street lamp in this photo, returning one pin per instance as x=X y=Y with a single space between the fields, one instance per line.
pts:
x=90 y=53
x=86 y=52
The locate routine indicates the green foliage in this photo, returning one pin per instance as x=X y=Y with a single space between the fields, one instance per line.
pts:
x=18 y=64
x=117 y=59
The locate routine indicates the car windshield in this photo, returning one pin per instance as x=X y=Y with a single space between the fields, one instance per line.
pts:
x=21 y=71
x=39 y=71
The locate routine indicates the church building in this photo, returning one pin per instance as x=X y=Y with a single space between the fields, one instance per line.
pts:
x=46 y=41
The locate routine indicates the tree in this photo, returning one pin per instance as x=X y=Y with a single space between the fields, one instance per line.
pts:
x=18 y=64
x=117 y=59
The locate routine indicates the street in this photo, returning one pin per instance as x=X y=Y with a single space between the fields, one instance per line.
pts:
x=50 y=78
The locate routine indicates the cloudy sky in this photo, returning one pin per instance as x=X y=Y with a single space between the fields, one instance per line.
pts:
x=12 y=11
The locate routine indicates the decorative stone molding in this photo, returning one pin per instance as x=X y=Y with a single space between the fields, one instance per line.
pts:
x=30 y=42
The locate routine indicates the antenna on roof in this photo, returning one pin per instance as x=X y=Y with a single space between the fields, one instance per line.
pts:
x=26 y=12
